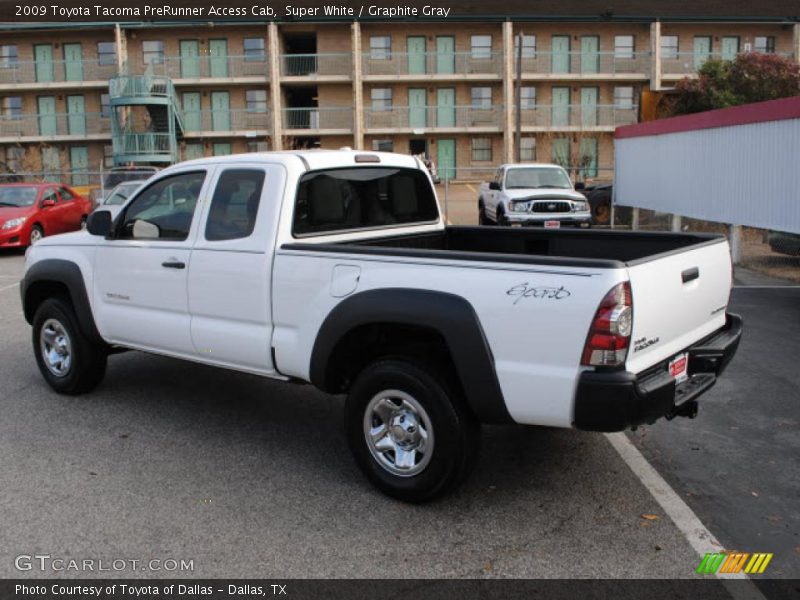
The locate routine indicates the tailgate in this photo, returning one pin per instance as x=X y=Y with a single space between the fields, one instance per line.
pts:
x=678 y=299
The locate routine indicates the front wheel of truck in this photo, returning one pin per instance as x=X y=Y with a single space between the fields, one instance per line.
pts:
x=410 y=431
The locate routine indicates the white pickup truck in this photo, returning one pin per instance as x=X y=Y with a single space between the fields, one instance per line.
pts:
x=336 y=268
x=532 y=194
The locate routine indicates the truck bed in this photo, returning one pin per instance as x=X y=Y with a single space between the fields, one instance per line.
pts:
x=595 y=248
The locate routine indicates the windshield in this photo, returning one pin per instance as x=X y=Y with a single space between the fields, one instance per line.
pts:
x=18 y=196
x=537 y=177
x=121 y=194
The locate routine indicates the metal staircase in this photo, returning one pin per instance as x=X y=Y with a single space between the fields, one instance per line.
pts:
x=146 y=120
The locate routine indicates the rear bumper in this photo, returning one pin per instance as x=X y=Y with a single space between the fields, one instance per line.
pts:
x=616 y=400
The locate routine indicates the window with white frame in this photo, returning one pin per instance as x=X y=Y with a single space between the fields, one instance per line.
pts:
x=105 y=106
x=527 y=149
x=528 y=46
x=8 y=56
x=527 y=98
x=380 y=47
x=481 y=46
x=153 y=52
x=481 y=149
x=381 y=99
x=14 y=156
x=254 y=50
x=12 y=107
x=108 y=156
x=623 y=96
x=481 y=97
x=256 y=100
x=623 y=46
x=669 y=46
x=106 y=53
x=257 y=147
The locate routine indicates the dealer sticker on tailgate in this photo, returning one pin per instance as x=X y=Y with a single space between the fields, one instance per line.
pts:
x=679 y=367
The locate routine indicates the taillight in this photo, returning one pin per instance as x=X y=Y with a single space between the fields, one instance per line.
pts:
x=610 y=334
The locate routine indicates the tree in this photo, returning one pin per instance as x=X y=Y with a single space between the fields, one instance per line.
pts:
x=750 y=77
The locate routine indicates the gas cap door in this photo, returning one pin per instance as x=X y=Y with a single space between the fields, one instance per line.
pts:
x=344 y=280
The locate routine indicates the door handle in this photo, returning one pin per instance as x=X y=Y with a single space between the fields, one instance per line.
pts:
x=690 y=274
x=173 y=265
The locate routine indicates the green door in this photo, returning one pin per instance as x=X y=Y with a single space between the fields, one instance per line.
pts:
x=190 y=59
x=416 y=55
x=73 y=62
x=218 y=58
x=222 y=149
x=446 y=157
x=560 y=106
x=730 y=47
x=76 y=115
x=446 y=107
x=47 y=115
x=588 y=157
x=220 y=111
x=43 y=56
x=445 y=54
x=589 y=106
x=416 y=108
x=79 y=164
x=560 y=148
x=191 y=111
x=702 y=50
x=560 y=54
x=590 y=54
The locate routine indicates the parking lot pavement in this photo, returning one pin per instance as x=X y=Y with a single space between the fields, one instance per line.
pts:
x=251 y=478
x=736 y=464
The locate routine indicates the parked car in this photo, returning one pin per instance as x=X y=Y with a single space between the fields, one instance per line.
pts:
x=119 y=196
x=532 y=194
x=30 y=211
x=783 y=242
x=336 y=268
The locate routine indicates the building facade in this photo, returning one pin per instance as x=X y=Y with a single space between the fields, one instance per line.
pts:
x=83 y=98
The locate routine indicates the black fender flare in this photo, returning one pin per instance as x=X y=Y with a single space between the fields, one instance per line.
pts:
x=452 y=316
x=69 y=275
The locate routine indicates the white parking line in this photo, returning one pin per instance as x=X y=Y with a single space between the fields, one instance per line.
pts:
x=698 y=536
x=8 y=287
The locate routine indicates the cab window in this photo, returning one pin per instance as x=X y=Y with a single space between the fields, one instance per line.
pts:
x=163 y=210
x=234 y=206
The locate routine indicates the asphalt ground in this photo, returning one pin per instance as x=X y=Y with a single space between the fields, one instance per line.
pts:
x=252 y=478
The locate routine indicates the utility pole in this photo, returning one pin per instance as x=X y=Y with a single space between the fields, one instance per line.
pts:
x=518 y=101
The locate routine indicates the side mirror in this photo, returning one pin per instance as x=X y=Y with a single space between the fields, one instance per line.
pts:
x=99 y=223
x=48 y=202
x=580 y=186
x=493 y=185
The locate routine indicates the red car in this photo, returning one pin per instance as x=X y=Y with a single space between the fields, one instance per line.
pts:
x=30 y=211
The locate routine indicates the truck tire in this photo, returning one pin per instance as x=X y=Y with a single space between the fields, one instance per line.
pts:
x=482 y=220
x=502 y=220
x=67 y=359
x=409 y=431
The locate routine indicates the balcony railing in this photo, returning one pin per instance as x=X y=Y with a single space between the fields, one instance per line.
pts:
x=50 y=125
x=205 y=67
x=316 y=119
x=141 y=86
x=226 y=120
x=577 y=116
x=433 y=117
x=55 y=71
x=687 y=63
x=144 y=144
x=316 y=65
x=397 y=64
x=587 y=63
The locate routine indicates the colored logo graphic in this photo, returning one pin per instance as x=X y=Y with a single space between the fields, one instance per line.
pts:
x=734 y=562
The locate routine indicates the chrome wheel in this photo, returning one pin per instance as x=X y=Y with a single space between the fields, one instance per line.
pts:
x=56 y=348
x=398 y=433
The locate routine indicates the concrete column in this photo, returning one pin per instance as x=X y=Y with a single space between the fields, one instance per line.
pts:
x=275 y=86
x=508 y=92
x=655 y=55
x=122 y=48
x=735 y=240
x=634 y=218
x=796 y=45
x=677 y=222
x=358 y=88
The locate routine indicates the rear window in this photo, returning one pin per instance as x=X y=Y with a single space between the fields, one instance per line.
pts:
x=362 y=198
